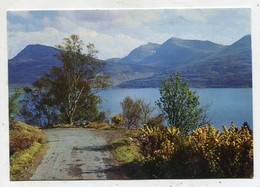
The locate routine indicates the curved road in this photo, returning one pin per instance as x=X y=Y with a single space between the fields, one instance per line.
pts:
x=77 y=153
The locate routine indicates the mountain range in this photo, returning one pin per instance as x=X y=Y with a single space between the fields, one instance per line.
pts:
x=202 y=63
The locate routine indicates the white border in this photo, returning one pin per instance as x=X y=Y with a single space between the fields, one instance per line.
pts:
x=121 y=4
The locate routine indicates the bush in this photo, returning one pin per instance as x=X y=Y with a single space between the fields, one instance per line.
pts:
x=101 y=117
x=117 y=119
x=100 y=125
x=62 y=125
x=157 y=120
x=206 y=153
x=229 y=153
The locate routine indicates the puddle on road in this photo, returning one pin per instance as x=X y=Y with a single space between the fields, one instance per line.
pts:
x=75 y=170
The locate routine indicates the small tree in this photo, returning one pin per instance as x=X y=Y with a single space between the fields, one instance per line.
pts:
x=131 y=112
x=146 y=110
x=180 y=105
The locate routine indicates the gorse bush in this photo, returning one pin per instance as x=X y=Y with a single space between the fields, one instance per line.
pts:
x=117 y=119
x=100 y=125
x=206 y=153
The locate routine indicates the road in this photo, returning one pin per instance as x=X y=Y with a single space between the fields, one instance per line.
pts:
x=77 y=154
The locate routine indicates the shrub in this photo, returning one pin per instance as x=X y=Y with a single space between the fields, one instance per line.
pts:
x=229 y=153
x=101 y=117
x=100 y=125
x=156 y=120
x=117 y=119
x=61 y=125
x=206 y=153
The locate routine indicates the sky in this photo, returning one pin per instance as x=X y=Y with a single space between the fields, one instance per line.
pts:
x=116 y=32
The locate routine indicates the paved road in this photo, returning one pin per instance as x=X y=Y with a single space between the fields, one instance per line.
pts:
x=75 y=154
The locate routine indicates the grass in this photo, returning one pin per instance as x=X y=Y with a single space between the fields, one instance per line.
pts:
x=26 y=142
x=125 y=150
x=21 y=161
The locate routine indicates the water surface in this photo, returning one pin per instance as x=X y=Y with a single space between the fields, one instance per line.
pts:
x=226 y=104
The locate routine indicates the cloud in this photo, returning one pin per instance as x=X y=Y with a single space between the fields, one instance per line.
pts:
x=107 y=19
x=116 y=32
x=107 y=45
x=15 y=26
x=19 y=40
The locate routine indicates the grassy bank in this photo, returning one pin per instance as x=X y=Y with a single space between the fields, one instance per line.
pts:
x=26 y=143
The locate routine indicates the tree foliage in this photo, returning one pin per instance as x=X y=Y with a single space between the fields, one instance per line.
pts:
x=131 y=112
x=155 y=120
x=70 y=90
x=146 y=110
x=135 y=112
x=180 y=105
x=13 y=105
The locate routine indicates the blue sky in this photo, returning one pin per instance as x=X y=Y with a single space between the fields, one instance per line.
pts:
x=116 y=32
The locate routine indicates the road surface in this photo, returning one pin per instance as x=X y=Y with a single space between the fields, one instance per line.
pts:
x=77 y=154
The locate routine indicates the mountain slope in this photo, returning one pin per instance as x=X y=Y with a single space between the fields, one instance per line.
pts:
x=229 y=67
x=31 y=63
x=172 y=53
x=140 y=53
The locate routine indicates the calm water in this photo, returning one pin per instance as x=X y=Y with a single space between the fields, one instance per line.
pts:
x=226 y=104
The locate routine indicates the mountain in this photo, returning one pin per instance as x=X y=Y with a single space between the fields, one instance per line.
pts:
x=140 y=53
x=35 y=60
x=31 y=63
x=203 y=63
x=172 y=53
x=229 y=66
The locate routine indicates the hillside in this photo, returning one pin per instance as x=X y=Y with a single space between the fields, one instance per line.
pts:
x=229 y=67
x=31 y=63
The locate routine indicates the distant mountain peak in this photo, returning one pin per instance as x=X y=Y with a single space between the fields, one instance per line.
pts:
x=36 y=51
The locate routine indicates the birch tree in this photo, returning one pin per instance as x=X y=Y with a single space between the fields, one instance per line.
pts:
x=74 y=85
